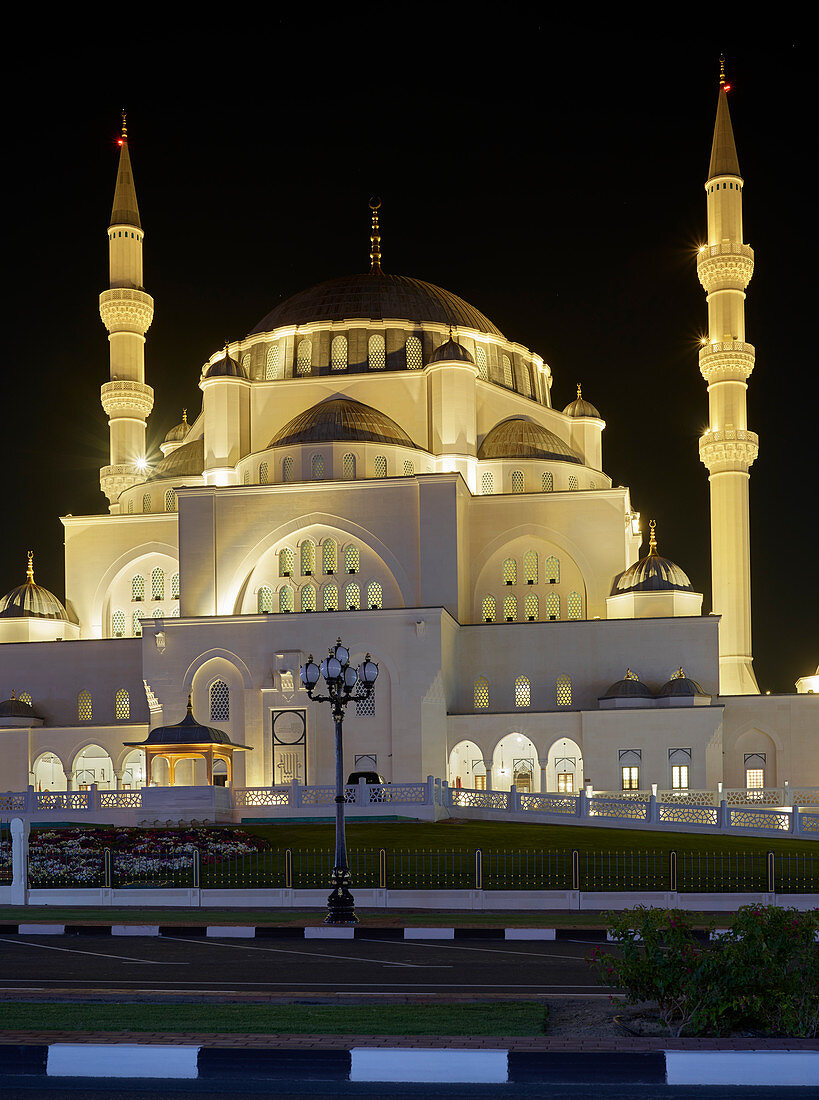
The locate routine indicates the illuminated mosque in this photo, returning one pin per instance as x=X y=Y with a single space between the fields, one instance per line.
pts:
x=375 y=459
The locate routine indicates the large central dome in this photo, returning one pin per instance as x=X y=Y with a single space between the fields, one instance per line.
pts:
x=377 y=297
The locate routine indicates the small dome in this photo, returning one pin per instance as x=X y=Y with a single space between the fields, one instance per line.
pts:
x=628 y=688
x=178 y=433
x=680 y=686
x=186 y=732
x=16 y=708
x=652 y=574
x=339 y=420
x=579 y=407
x=185 y=461
x=225 y=368
x=516 y=438
x=31 y=600
x=451 y=351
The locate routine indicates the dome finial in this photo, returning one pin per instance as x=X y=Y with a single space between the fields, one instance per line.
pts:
x=30 y=570
x=190 y=703
x=721 y=69
x=184 y=416
x=579 y=392
x=652 y=541
x=375 y=237
x=124 y=130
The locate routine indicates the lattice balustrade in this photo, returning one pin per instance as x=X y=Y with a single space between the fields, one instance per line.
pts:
x=480 y=800
x=690 y=815
x=809 y=823
x=759 y=819
x=120 y=800
x=800 y=796
x=398 y=792
x=63 y=800
x=549 y=804
x=757 y=796
x=689 y=798
x=628 y=808
x=11 y=801
x=260 y=796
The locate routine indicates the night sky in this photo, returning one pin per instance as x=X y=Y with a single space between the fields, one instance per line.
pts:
x=555 y=184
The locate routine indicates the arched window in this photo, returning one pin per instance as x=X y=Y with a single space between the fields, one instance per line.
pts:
x=304 y=356
x=170 y=500
x=285 y=600
x=308 y=598
x=219 y=701
x=376 y=352
x=118 y=624
x=122 y=704
x=338 y=353
x=480 y=359
x=175 y=613
x=518 y=483
x=84 y=709
x=136 y=625
x=246 y=477
x=25 y=697
x=551 y=570
x=380 y=468
x=530 y=607
x=158 y=584
x=174 y=586
x=487 y=484
x=415 y=357
x=525 y=381
x=285 y=562
x=131 y=507
x=138 y=587
x=375 y=597
x=522 y=692
x=575 y=605
x=264 y=473
x=509 y=571
x=272 y=368
x=553 y=606
x=246 y=364
x=488 y=609
x=352 y=597
x=572 y=482
x=308 y=558
x=264 y=599
x=330 y=597
x=317 y=467
x=351 y=559
x=146 y=503
x=329 y=556
x=564 y=691
x=510 y=609
x=481 y=693
x=506 y=364
x=158 y=613
x=288 y=469
x=409 y=468
x=348 y=467
x=547 y=482
x=530 y=567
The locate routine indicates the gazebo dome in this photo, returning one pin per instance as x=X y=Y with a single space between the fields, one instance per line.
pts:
x=518 y=438
x=186 y=732
x=451 y=351
x=652 y=574
x=31 y=600
x=630 y=687
x=339 y=420
x=16 y=708
x=680 y=686
x=225 y=368
x=579 y=407
x=185 y=461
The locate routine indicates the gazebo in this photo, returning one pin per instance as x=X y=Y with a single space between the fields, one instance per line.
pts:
x=188 y=740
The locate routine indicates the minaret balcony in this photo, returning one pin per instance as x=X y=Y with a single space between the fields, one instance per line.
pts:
x=725 y=266
x=727 y=361
x=114 y=480
x=727 y=450
x=125 y=310
x=132 y=399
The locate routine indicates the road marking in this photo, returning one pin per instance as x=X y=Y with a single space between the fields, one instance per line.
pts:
x=96 y=954
x=302 y=954
x=481 y=950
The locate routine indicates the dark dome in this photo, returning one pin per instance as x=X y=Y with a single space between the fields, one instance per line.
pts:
x=225 y=368
x=186 y=732
x=338 y=420
x=377 y=297
x=31 y=600
x=449 y=351
x=16 y=708
x=680 y=686
x=579 y=407
x=186 y=461
x=517 y=438
x=628 y=688
x=178 y=432
x=652 y=574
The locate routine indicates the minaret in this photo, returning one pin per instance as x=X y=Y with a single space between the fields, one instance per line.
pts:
x=727 y=448
x=126 y=312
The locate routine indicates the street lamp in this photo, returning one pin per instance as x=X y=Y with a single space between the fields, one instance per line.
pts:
x=341 y=679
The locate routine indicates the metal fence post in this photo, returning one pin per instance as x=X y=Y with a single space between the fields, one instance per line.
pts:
x=382 y=869
x=288 y=869
x=478 y=869
x=575 y=869
x=771 y=873
x=106 y=863
x=672 y=871
x=196 y=868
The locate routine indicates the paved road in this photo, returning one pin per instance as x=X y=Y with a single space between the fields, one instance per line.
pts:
x=361 y=967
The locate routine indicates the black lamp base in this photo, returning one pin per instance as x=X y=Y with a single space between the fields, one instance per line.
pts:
x=340 y=903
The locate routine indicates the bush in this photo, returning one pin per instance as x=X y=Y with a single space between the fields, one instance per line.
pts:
x=763 y=974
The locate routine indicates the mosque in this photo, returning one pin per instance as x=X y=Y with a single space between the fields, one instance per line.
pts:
x=375 y=459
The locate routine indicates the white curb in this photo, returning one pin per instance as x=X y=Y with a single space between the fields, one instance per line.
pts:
x=418 y=1064
x=122 y=1060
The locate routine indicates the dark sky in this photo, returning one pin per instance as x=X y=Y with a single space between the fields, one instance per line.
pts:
x=554 y=182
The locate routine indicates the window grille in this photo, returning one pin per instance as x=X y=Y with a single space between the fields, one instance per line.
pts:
x=365 y=708
x=415 y=358
x=146 y=503
x=170 y=500
x=509 y=571
x=553 y=605
x=264 y=600
x=510 y=609
x=174 y=586
x=754 y=778
x=487 y=484
x=380 y=466
x=481 y=694
x=308 y=558
x=338 y=353
x=480 y=359
x=352 y=597
x=118 y=624
x=136 y=625
x=317 y=467
x=530 y=608
x=564 y=691
x=246 y=364
x=592 y=485
x=285 y=562
x=84 y=708
x=25 y=697
x=329 y=555
x=158 y=613
x=122 y=704
x=351 y=559
x=572 y=482
x=507 y=372
x=272 y=369
x=551 y=570
x=246 y=477
x=264 y=473
x=522 y=692
x=409 y=468
x=575 y=605
x=330 y=595
x=530 y=567
x=518 y=483
x=679 y=777
x=376 y=352
x=175 y=612
x=375 y=598
x=308 y=598
x=304 y=356
x=631 y=778
x=285 y=599
x=348 y=467
x=288 y=470
x=526 y=385
x=130 y=507
x=488 y=609
x=158 y=584
x=138 y=587
x=547 y=482
x=219 y=701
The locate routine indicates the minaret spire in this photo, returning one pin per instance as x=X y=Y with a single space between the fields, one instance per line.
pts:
x=724 y=160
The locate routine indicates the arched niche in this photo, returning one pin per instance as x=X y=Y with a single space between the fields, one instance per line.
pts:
x=466 y=766
x=515 y=760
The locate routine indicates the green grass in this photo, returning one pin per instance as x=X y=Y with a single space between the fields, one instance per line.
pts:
x=488 y=1019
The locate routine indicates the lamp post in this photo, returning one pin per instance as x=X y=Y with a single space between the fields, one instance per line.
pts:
x=342 y=681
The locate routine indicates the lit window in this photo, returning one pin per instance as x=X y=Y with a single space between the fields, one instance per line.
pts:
x=351 y=559
x=376 y=353
x=409 y=468
x=352 y=597
x=530 y=607
x=246 y=364
x=264 y=599
x=272 y=369
x=631 y=778
x=264 y=473
x=285 y=600
x=522 y=692
x=380 y=466
x=415 y=360
x=510 y=609
x=330 y=597
x=138 y=587
x=526 y=385
x=158 y=584
x=481 y=694
x=308 y=598
x=285 y=562
x=564 y=691
x=288 y=469
x=317 y=467
x=553 y=606
x=329 y=556
x=547 y=482
x=118 y=624
x=136 y=625
x=679 y=777
x=480 y=359
x=572 y=482
x=146 y=503
x=509 y=571
x=174 y=586
x=551 y=570
x=518 y=483
x=565 y=782
x=530 y=567
x=575 y=605
x=170 y=500
x=219 y=701
x=754 y=778
x=375 y=598
x=308 y=558
x=122 y=704
x=304 y=357
x=487 y=484
x=158 y=613
x=348 y=467
x=507 y=371
x=25 y=697
x=488 y=609
x=84 y=709
x=338 y=353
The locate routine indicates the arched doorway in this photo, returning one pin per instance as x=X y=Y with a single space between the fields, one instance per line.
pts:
x=466 y=767
x=93 y=765
x=48 y=773
x=133 y=771
x=515 y=760
x=564 y=770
